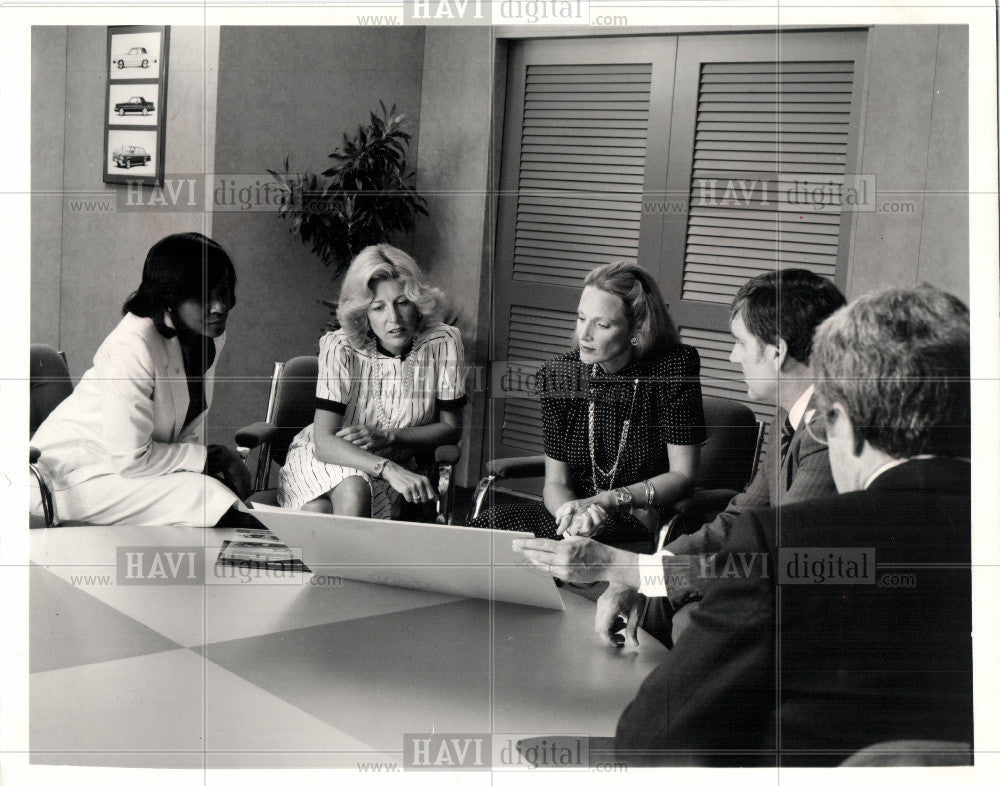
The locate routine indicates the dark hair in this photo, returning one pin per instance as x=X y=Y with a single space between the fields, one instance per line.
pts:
x=644 y=305
x=786 y=304
x=898 y=362
x=185 y=266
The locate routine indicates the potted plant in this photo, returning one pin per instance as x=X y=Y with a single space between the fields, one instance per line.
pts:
x=366 y=197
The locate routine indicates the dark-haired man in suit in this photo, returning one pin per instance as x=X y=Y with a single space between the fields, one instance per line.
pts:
x=773 y=319
x=847 y=621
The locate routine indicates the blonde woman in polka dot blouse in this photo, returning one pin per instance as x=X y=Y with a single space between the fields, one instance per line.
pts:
x=391 y=382
x=622 y=417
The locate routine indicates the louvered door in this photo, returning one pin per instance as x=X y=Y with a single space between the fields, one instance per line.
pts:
x=759 y=122
x=677 y=152
x=585 y=133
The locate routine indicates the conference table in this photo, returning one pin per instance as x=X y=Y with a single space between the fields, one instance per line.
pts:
x=196 y=667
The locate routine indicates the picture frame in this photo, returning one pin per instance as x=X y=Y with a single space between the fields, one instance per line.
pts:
x=135 y=107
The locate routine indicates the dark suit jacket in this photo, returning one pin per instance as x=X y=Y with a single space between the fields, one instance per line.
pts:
x=858 y=664
x=802 y=473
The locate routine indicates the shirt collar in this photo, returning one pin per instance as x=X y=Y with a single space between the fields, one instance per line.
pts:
x=635 y=367
x=164 y=324
x=375 y=346
x=894 y=463
x=799 y=408
x=386 y=353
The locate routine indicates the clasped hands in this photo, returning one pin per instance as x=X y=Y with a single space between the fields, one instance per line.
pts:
x=366 y=437
x=584 y=516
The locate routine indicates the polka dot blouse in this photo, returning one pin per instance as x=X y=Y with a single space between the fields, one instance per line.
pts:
x=664 y=409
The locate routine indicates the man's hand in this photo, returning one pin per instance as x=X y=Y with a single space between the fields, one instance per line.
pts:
x=617 y=609
x=580 y=560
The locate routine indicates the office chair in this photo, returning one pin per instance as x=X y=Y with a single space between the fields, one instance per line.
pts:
x=912 y=753
x=729 y=458
x=290 y=408
x=50 y=385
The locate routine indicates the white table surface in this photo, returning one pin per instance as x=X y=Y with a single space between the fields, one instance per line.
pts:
x=224 y=672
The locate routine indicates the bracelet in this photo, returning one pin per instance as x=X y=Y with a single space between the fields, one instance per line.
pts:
x=380 y=467
x=650 y=494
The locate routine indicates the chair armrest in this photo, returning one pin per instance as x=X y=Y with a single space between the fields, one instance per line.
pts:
x=447 y=454
x=517 y=467
x=446 y=457
x=679 y=524
x=704 y=504
x=44 y=490
x=692 y=513
x=255 y=435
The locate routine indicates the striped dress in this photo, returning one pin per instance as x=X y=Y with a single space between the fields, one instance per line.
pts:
x=370 y=387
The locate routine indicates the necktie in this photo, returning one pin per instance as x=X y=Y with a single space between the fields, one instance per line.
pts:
x=787 y=432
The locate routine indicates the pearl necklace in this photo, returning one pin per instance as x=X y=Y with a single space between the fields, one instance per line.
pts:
x=609 y=475
x=384 y=420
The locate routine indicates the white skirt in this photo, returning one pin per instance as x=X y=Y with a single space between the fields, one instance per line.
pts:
x=304 y=477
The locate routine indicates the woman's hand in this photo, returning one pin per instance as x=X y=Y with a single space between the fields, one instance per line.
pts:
x=413 y=487
x=583 y=517
x=226 y=466
x=367 y=438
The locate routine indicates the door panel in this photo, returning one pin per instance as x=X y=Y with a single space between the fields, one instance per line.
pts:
x=590 y=128
x=759 y=122
x=575 y=170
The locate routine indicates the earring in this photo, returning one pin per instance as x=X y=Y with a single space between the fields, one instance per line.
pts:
x=635 y=341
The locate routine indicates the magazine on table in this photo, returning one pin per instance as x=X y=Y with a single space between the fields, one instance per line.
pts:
x=260 y=548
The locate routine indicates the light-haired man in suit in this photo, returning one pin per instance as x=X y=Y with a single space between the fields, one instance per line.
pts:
x=848 y=627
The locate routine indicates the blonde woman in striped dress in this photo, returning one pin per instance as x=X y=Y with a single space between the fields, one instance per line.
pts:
x=390 y=383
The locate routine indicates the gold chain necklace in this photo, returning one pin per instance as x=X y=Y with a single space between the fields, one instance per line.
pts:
x=609 y=475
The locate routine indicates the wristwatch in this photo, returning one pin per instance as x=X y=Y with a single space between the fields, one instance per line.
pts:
x=623 y=497
x=380 y=467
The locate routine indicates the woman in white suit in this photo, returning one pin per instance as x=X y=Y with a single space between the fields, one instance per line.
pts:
x=123 y=448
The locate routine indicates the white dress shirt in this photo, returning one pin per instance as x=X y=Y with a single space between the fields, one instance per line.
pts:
x=651 y=577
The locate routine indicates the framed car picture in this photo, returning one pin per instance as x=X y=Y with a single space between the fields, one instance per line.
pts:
x=136 y=104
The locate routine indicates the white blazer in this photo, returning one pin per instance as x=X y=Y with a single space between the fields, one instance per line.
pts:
x=127 y=414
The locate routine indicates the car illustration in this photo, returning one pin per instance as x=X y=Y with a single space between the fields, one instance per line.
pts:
x=136 y=57
x=135 y=104
x=130 y=155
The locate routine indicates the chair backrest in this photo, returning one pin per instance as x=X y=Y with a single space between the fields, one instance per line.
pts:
x=50 y=383
x=292 y=406
x=729 y=454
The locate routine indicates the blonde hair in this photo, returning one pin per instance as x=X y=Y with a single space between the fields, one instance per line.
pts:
x=377 y=263
x=898 y=362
